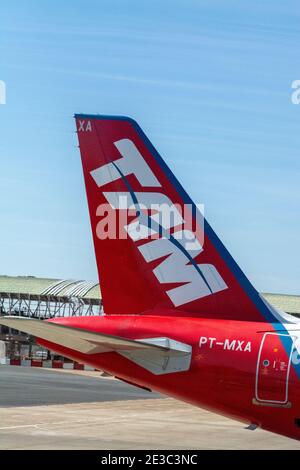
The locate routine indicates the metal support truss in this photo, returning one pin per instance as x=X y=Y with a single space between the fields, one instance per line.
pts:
x=47 y=306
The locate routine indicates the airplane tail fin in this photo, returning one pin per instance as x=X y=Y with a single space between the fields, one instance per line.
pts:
x=155 y=251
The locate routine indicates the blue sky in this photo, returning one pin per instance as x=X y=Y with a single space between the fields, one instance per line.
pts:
x=209 y=82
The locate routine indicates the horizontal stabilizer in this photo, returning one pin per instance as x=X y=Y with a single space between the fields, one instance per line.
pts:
x=158 y=355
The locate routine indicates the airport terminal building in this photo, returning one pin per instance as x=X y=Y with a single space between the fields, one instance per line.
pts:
x=41 y=298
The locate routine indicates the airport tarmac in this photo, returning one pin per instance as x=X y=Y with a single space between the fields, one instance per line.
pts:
x=27 y=386
x=46 y=409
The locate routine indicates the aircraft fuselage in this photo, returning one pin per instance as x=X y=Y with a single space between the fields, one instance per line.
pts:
x=243 y=370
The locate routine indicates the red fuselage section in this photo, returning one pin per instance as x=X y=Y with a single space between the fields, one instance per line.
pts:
x=242 y=370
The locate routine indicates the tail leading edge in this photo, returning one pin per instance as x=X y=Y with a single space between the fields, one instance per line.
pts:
x=148 y=262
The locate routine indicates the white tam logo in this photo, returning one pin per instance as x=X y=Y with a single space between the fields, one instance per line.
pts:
x=178 y=248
